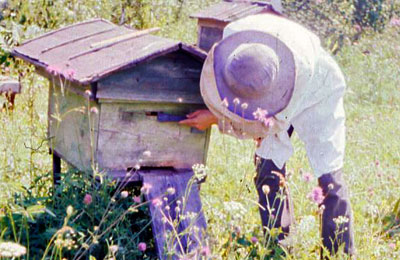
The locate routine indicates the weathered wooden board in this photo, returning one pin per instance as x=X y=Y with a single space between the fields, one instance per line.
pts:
x=126 y=131
x=189 y=231
x=8 y=85
x=69 y=128
x=171 y=78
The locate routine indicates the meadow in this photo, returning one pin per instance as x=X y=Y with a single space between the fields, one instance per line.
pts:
x=32 y=214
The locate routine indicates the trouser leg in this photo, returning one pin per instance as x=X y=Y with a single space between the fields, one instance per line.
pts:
x=337 y=227
x=281 y=210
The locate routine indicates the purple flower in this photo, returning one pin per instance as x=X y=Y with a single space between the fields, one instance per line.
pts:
x=254 y=240
x=87 y=199
x=142 y=246
x=316 y=195
x=137 y=199
x=307 y=177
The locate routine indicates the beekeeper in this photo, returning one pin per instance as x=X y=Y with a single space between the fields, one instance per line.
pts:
x=267 y=77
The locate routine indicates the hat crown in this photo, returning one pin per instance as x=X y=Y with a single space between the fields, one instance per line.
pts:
x=251 y=70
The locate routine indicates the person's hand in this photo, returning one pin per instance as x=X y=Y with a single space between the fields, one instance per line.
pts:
x=200 y=119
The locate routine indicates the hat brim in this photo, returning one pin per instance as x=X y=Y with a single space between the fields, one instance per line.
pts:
x=281 y=91
x=241 y=126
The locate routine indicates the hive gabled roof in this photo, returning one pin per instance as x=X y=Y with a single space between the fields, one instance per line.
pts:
x=231 y=10
x=91 y=50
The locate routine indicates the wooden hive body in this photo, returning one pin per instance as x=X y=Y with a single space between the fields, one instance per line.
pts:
x=213 y=19
x=121 y=102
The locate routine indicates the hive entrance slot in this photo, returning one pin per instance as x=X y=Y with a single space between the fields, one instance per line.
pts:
x=152 y=113
x=152 y=169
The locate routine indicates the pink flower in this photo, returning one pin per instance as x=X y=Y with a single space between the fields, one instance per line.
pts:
x=395 y=21
x=318 y=1
x=156 y=202
x=316 y=195
x=146 y=188
x=205 y=251
x=392 y=245
x=260 y=114
x=307 y=177
x=53 y=70
x=254 y=240
x=87 y=199
x=137 y=199
x=377 y=163
x=142 y=246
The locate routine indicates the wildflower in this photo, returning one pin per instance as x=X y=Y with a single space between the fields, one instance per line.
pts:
x=341 y=220
x=236 y=101
x=156 y=202
x=171 y=190
x=11 y=250
x=94 y=110
x=70 y=210
x=167 y=208
x=53 y=70
x=137 y=199
x=307 y=176
x=260 y=114
x=225 y=102
x=266 y=189
x=142 y=246
x=146 y=188
x=205 y=251
x=254 y=240
x=377 y=163
x=114 y=249
x=124 y=194
x=316 y=195
x=392 y=245
x=88 y=93
x=147 y=153
x=137 y=167
x=331 y=186
x=237 y=230
x=87 y=200
x=69 y=74
x=244 y=106
x=395 y=21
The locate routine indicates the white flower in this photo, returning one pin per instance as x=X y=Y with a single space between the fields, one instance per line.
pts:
x=171 y=190
x=266 y=189
x=244 y=106
x=11 y=250
x=236 y=101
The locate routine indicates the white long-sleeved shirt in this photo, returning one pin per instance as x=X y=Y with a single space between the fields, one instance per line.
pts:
x=316 y=107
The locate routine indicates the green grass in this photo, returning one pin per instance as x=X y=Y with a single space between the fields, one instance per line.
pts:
x=372 y=103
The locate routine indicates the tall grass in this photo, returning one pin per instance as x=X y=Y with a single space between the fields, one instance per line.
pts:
x=372 y=163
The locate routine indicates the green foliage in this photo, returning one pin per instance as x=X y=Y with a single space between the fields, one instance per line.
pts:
x=50 y=230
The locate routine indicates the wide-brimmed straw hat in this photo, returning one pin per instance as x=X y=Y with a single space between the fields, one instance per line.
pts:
x=248 y=78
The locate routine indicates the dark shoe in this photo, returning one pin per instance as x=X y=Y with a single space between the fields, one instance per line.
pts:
x=269 y=174
x=337 y=226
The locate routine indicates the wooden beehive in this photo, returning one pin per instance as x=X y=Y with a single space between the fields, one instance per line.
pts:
x=212 y=20
x=139 y=87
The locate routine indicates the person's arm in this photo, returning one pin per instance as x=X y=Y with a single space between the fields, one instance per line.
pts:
x=200 y=119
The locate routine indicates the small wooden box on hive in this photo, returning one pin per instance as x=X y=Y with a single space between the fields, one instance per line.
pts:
x=213 y=19
x=140 y=86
